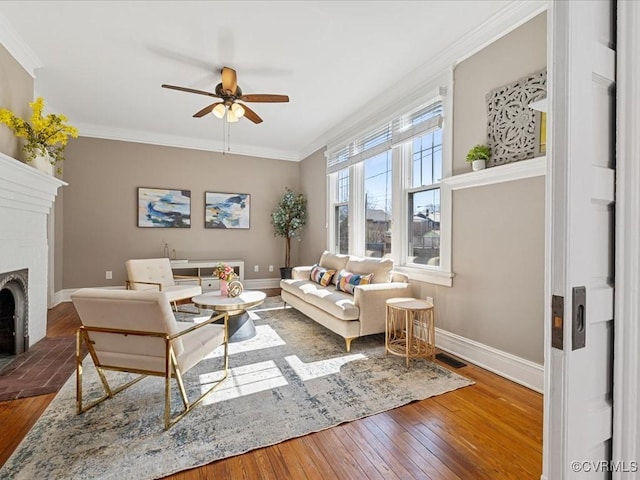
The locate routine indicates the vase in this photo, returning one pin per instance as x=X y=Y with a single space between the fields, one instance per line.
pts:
x=224 y=288
x=478 y=165
x=42 y=163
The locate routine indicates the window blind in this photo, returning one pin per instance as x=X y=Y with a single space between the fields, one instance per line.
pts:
x=386 y=136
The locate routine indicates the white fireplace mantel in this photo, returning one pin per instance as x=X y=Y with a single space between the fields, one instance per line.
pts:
x=26 y=199
x=24 y=188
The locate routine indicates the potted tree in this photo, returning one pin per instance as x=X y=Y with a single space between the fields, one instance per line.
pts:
x=478 y=156
x=288 y=219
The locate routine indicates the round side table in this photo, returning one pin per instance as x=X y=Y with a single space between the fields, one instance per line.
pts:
x=410 y=329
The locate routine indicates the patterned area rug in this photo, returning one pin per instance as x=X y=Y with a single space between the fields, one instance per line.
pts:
x=292 y=379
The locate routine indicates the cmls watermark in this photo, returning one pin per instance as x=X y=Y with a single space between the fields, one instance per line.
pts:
x=604 y=466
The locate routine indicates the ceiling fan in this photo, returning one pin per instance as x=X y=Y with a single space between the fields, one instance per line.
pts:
x=230 y=93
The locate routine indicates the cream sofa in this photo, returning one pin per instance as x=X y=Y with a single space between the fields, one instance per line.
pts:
x=350 y=316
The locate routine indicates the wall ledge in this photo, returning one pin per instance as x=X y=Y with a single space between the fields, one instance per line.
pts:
x=534 y=167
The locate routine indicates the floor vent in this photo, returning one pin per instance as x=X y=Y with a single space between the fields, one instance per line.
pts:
x=455 y=363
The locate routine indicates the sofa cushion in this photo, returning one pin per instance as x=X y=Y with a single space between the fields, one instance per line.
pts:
x=321 y=275
x=333 y=261
x=380 y=267
x=298 y=287
x=347 y=281
x=339 y=304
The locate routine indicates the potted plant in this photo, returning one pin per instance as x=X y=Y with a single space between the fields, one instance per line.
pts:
x=478 y=156
x=288 y=219
x=46 y=136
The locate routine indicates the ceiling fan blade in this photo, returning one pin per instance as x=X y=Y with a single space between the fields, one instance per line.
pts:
x=264 y=98
x=206 y=110
x=251 y=115
x=190 y=90
x=229 y=80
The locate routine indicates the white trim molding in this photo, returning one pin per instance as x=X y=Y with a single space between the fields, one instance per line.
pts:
x=18 y=48
x=517 y=369
x=534 y=167
x=626 y=384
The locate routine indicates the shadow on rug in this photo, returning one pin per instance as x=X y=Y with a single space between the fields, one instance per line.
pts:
x=292 y=379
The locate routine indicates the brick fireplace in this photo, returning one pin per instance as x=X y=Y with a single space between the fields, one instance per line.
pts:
x=26 y=198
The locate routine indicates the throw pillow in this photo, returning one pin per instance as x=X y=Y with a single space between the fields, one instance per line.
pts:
x=321 y=275
x=347 y=281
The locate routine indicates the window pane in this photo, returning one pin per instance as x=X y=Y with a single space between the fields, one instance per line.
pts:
x=424 y=227
x=427 y=159
x=343 y=186
x=377 y=188
x=342 y=229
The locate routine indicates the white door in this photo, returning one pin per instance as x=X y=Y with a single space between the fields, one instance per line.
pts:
x=580 y=240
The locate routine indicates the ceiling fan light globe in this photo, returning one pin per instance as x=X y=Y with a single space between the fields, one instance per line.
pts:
x=219 y=110
x=231 y=117
x=237 y=110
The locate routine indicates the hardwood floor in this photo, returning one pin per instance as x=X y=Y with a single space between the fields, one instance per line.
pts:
x=490 y=430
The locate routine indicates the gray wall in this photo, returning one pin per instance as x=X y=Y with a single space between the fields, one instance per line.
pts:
x=16 y=91
x=497 y=296
x=100 y=208
x=313 y=183
x=508 y=59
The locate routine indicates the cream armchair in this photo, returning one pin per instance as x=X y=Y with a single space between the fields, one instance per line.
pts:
x=132 y=331
x=156 y=274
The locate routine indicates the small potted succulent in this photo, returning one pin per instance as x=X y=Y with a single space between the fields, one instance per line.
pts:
x=478 y=156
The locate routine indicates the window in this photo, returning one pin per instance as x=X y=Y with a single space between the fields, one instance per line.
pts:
x=424 y=227
x=386 y=195
x=377 y=204
x=424 y=200
x=341 y=212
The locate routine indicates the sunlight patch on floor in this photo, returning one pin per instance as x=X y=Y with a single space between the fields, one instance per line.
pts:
x=321 y=368
x=266 y=337
x=242 y=381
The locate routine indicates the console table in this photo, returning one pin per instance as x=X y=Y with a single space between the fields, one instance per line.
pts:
x=203 y=269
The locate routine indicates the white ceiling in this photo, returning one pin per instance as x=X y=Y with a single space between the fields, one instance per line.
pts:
x=102 y=63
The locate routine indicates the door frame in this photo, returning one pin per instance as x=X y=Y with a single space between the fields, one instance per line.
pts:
x=626 y=386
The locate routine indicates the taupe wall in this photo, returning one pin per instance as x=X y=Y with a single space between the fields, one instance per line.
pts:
x=497 y=296
x=313 y=183
x=16 y=91
x=510 y=58
x=100 y=208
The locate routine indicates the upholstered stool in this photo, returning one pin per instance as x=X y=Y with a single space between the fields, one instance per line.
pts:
x=410 y=329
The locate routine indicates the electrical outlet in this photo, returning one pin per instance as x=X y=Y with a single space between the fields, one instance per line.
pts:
x=256 y=268
x=108 y=275
x=430 y=299
x=271 y=268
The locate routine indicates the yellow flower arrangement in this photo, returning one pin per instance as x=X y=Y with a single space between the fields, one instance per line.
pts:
x=44 y=135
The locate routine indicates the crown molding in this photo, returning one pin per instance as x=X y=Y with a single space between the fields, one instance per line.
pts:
x=425 y=76
x=18 y=48
x=139 y=136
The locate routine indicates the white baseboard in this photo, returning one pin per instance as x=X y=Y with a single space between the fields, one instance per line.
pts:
x=253 y=284
x=518 y=369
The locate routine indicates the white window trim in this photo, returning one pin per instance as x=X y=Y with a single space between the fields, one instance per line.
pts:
x=441 y=275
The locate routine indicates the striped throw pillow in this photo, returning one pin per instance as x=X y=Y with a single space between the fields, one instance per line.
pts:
x=347 y=281
x=321 y=275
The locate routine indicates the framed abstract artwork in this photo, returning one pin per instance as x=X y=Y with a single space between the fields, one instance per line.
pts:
x=164 y=208
x=226 y=210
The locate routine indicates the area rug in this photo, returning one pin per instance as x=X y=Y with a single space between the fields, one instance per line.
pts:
x=292 y=379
